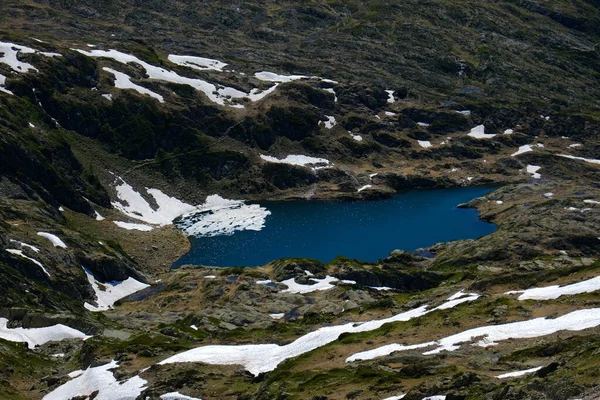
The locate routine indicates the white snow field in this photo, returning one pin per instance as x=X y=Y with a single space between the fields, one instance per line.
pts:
x=10 y=52
x=265 y=357
x=108 y=293
x=489 y=335
x=519 y=373
x=199 y=63
x=102 y=380
x=38 y=336
x=555 y=291
x=479 y=133
x=54 y=239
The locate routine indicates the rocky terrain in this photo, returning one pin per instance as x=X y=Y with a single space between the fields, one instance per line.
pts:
x=118 y=117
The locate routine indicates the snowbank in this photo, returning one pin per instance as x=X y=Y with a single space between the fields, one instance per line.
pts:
x=54 y=239
x=555 y=291
x=479 y=133
x=199 y=63
x=37 y=336
x=109 y=292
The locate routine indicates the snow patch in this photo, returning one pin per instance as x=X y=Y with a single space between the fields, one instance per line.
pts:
x=587 y=160
x=358 y=138
x=199 y=63
x=131 y=226
x=424 y=143
x=490 y=335
x=266 y=76
x=37 y=336
x=54 y=239
x=364 y=188
x=36 y=249
x=277 y=315
x=424 y=124
x=299 y=160
x=391 y=98
x=533 y=170
x=177 y=396
x=523 y=149
x=330 y=90
x=330 y=123
x=101 y=380
x=109 y=292
x=98 y=216
x=36 y=262
x=479 y=133
x=123 y=81
x=555 y=291
x=259 y=358
x=519 y=373
x=574 y=145
x=509 y=131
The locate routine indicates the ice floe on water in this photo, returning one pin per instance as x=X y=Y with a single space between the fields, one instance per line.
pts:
x=108 y=293
x=555 y=291
x=479 y=133
x=299 y=160
x=533 y=170
x=37 y=336
x=36 y=262
x=219 y=216
x=199 y=63
x=54 y=239
x=259 y=358
x=490 y=335
x=101 y=380
x=123 y=81
x=518 y=373
x=424 y=143
x=587 y=160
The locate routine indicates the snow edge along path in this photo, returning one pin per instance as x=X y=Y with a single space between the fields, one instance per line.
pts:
x=260 y=358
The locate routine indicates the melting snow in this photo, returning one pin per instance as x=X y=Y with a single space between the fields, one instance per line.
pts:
x=422 y=124
x=37 y=336
x=320 y=285
x=490 y=335
x=277 y=315
x=399 y=397
x=219 y=216
x=509 y=131
x=591 y=201
x=519 y=373
x=533 y=170
x=588 y=160
x=358 y=138
x=522 y=149
x=37 y=250
x=107 y=96
x=424 y=143
x=123 y=81
x=479 y=133
x=466 y=113
x=109 y=292
x=261 y=358
x=36 y=262
x=54 y=239
x=555 y=291
x=101 y=380
x=575 y=145
x=389 y=114
x=364 y=188
x=9 y=57
x=2 y=83
x=199 y=63
x=98 y=216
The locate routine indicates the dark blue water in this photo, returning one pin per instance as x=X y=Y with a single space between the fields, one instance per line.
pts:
x=367 y=230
